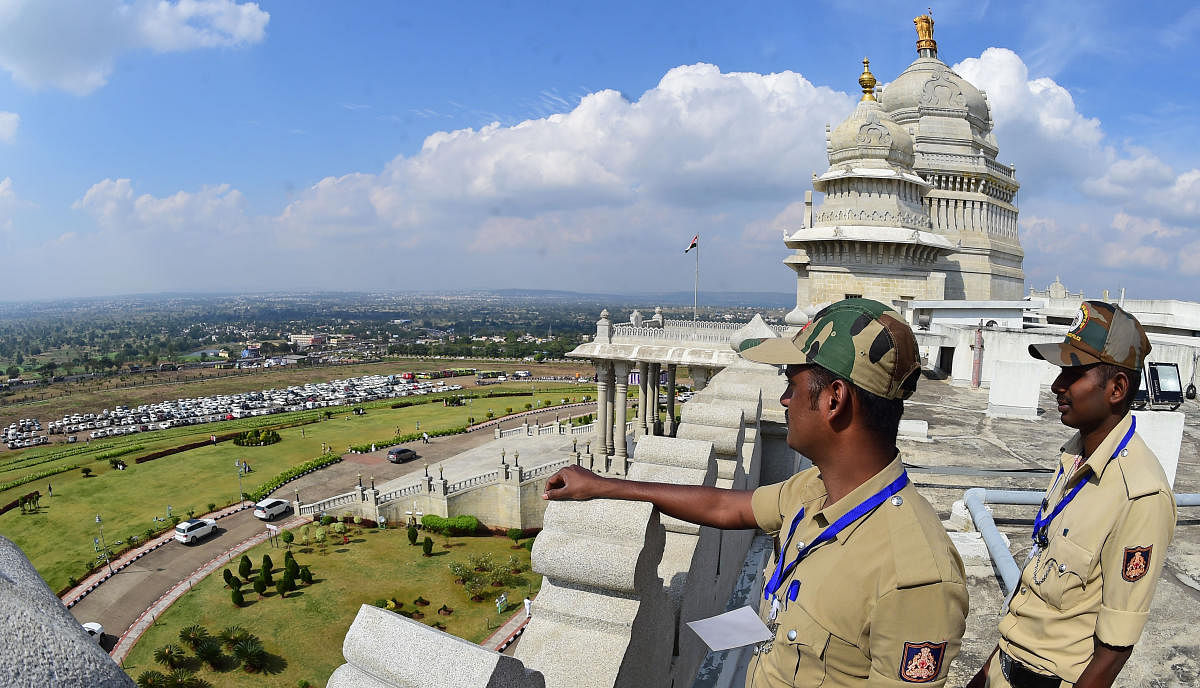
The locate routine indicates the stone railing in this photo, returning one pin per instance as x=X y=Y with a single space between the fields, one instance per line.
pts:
x=402 y=492
x=703 y=325
x=583 y=429
x=545 y=469
x=512 y=432
x=473 y=481
x=630 y=334
x=549 y=430
x=329 y=503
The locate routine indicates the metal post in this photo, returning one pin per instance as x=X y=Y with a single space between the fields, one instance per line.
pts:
x=103 y=546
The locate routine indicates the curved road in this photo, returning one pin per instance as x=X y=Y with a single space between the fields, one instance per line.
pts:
x=123 y=597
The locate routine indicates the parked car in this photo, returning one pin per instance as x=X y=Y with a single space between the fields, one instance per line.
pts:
x=194 y=529
x=269 y=508
x=95 y=630
x=400 y=454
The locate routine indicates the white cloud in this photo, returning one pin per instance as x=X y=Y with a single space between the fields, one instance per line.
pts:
x=73 y=45
x=600 y=196
x=9 y=121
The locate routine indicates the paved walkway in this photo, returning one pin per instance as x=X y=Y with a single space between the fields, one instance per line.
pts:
x=505 y=637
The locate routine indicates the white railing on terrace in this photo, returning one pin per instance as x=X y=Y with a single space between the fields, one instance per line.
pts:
x=514 y=432
x=583 y=429
x=329 y=503
x=547 y=430
x=545 y=469
x=703 y=325
x=402 y=492
x=472 y=482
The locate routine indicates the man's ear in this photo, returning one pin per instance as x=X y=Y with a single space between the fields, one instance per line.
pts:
x=839 y=397
x=1118 y=388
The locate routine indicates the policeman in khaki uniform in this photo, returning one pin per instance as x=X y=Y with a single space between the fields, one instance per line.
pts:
x=1101 y=535
x=866 y=587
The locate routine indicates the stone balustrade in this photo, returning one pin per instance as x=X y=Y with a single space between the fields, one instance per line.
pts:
x=330 y=503
x=473 y=481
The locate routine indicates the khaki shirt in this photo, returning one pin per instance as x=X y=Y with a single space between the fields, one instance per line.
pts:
x=1105 y=552
x=883 y=604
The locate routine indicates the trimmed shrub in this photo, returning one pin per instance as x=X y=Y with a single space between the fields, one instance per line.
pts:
x=245 y=567
x=459 y=525
x=427 y=546
x=267 y=564
x=306 y=575
x=288 y=538
x=260 y=586
x=281 y=587
x=228 y=576
x=412 y=535
x=266 y=577
x=515 y=534
x=236 y=596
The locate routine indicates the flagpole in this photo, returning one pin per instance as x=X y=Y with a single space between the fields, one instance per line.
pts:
x=696 y=292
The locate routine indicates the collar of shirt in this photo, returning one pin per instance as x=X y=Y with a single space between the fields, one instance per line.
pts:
x=1099 y=459
x=859 y=495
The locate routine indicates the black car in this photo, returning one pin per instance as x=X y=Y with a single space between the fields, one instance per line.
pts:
x=401 y=454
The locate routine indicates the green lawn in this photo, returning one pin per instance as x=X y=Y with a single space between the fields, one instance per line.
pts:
x=58 y=539
x=306 y=629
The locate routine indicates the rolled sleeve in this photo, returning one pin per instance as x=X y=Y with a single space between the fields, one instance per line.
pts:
x=1129 y=579
x=910 y=628
x=766 y=506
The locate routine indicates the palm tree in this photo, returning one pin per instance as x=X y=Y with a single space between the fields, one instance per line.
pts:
x=170 y=656
x=208 y=650
x=151 y=679
x=193 y=635
x=251 y=653
x=232 y=635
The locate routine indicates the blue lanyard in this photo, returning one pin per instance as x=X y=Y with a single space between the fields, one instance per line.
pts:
x=831 y=531
x=1042 y=524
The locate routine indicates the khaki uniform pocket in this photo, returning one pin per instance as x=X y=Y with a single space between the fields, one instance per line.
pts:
x=1062 y=572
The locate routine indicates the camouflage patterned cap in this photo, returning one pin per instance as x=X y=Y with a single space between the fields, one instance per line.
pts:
x=1101 y=333
x=859 y=340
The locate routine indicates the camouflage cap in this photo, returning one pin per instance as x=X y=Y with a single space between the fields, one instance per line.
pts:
x=1101 y=333
x=859 y=340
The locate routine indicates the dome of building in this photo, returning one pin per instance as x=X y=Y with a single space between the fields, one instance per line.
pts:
x=929 y=87
x=929 y=84
x=869 y=133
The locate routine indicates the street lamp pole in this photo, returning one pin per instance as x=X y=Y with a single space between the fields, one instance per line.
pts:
x=103 y=546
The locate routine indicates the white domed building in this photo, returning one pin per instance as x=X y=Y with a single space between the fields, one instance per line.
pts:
x=916 y=206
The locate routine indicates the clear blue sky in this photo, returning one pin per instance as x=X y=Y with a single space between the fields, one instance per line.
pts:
x=218 y=145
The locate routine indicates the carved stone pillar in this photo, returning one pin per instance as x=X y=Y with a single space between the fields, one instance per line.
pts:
x=643 y=409
x=621 y=406
x=655 y=423
x=670 y=427
x=602 y=418
x=609 y=395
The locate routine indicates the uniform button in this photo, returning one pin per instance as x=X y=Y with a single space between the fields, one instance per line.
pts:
x=799 y=545
x=1062 y=568
x=755 y=650
x=897 y=500
x=1024 y=590
x=791 y=635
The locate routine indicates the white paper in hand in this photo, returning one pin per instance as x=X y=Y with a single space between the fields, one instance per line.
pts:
x=731 y=629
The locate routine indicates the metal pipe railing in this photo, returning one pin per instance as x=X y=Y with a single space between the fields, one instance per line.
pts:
x=976 y=500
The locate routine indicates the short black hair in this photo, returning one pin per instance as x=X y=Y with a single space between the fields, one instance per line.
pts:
x=881 y=416
x=1108 y=371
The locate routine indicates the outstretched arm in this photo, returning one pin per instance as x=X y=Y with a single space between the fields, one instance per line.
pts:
x=706 y=506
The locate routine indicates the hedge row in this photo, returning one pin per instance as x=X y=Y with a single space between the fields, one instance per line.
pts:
x=119 y=452
x=410 y=437
x=458 y=525
x=37 y=476
x=17 y=502
x=183 y=447
x=293 y=472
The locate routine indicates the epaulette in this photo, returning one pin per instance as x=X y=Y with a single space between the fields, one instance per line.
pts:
x=914 y=557
x=1141 y=470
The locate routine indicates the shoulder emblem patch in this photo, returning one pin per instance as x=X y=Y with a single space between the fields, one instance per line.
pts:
x=1136 y=563
x=921 y=662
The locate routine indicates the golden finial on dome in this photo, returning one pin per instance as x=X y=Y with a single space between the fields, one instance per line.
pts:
x=867 y=81
x=925 y=40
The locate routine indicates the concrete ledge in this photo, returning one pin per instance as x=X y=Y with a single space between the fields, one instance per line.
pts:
x=380 y=645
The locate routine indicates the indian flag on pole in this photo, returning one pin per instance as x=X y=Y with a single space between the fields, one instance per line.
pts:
x=695 y=242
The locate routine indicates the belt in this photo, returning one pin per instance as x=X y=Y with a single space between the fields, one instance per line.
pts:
x=1021 y=676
